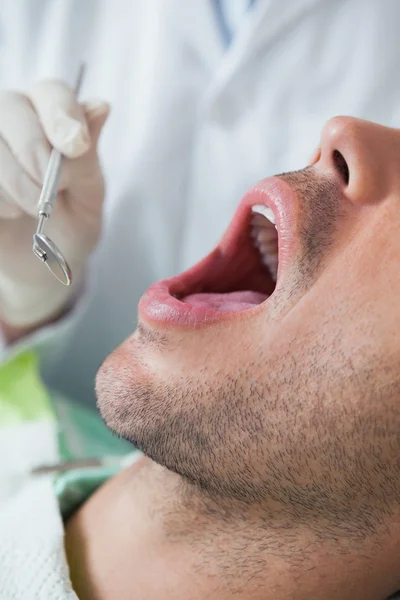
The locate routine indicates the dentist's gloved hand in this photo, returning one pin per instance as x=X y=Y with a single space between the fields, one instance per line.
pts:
x=48 y=114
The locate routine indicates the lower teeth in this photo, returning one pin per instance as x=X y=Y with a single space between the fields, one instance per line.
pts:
x=271 y=264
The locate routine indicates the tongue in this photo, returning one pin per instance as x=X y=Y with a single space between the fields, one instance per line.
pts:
x=230 y=302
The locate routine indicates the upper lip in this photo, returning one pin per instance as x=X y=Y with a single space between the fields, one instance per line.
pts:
x=274 y=193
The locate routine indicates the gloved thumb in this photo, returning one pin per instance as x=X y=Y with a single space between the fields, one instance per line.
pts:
x=96 y=113
x=86 y=168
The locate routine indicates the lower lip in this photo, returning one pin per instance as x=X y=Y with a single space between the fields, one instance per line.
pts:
x=160 y=306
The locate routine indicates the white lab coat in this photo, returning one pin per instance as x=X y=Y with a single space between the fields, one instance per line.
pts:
x=192 y=126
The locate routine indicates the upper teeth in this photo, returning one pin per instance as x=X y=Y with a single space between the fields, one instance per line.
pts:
x=265 y=238
x=264 y=210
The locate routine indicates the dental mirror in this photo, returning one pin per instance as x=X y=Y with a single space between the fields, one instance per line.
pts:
x=43 y=247
x=48 y=253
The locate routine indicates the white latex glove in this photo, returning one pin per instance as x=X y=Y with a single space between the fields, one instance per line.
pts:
x=29 y=294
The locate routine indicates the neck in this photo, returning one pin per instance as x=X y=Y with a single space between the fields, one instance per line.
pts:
x=146 y=530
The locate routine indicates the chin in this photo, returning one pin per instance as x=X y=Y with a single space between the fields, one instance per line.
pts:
x=121 y=373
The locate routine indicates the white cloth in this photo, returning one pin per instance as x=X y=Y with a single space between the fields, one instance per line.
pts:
x=234 y=11
x=192 y=126
x=32 y=558
x=33 y=564
x=232 y=14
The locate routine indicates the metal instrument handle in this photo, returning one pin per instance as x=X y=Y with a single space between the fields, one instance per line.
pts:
x=53 y=172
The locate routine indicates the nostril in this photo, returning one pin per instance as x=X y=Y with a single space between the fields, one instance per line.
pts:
x=341 y=166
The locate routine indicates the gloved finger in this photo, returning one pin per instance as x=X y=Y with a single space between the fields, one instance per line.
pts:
x=82 y=177
x=96 y=113
x=16 y=187
x=20 y=128
x=8 y=209
x=62 y=117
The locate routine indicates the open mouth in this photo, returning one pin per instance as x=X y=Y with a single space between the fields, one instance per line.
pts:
x=248 y=278
x=239 y=274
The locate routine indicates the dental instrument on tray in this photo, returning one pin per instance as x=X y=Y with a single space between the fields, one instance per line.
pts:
x=83 y=463
x=43 y=247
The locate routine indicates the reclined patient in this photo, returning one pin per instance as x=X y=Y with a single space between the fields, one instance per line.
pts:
x=262 y=388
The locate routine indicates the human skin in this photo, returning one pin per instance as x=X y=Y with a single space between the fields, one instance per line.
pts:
x=271 y=434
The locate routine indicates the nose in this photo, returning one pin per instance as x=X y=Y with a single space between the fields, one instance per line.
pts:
x=363 y=156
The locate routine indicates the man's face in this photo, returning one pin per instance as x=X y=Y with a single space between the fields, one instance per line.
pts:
x=284 y=396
